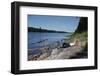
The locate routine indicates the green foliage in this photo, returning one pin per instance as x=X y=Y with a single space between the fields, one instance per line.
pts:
x=82 y=37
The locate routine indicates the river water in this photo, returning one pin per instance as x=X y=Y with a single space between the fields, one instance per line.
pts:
x=38 y=39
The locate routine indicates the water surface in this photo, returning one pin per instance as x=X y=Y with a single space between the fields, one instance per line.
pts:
x=37 y=40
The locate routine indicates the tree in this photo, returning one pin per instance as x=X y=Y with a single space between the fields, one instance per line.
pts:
x=83 y=25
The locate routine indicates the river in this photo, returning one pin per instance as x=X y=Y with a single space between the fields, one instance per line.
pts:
x=35 y=38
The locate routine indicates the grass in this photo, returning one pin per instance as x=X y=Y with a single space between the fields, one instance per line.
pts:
x=82 y=37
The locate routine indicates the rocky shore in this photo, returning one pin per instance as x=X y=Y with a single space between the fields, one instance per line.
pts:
x=58 y=53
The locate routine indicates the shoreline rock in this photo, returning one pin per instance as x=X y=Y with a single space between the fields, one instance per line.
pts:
x=58 y=53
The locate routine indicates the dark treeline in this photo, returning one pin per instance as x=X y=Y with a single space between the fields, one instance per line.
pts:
x=83 y=25
x=32 y=29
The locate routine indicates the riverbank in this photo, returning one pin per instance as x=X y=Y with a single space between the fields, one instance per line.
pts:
x=72 y=52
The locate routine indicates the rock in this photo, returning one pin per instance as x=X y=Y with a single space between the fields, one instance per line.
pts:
x=43 y=56
x=55 y=51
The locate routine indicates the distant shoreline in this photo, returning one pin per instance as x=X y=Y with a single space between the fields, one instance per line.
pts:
x=32 y=29
x=49 y=32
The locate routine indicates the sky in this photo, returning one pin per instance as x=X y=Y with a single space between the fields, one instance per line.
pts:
x=58 y=23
